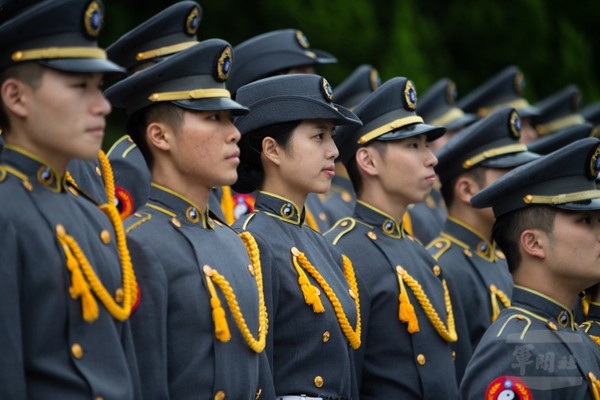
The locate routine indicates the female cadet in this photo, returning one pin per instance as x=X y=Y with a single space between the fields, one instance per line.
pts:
x=287 y=152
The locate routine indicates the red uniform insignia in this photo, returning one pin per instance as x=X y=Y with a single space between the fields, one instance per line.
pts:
x=124 y=202
x=243 y=204
x=508 y=388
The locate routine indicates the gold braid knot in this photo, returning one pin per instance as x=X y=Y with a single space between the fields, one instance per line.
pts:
x=227 y=205
x=449 y=333
x=353 y=335
x=84 y=280
x=495 y=295
x=221 y=328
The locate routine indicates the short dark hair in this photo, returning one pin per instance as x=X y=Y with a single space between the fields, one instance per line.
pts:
x=447 y=188
x=251 y=173
x=352 y=167
x=166 y=113
x=28 y=72
x=508 y=227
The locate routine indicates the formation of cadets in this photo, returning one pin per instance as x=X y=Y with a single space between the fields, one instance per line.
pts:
x=255 y=234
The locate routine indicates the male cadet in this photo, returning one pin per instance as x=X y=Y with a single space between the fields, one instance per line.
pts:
x=407 y=317
x=284 y=51
x=503 y=89
x=166 y=33
x=425 y=219
x=548 y=226
x=558 y=111
x=67 y=284
x=200 y=330
x=339 y=201
x=479 y=281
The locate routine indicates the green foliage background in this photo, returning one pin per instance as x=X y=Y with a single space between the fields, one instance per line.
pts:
x=554 y=42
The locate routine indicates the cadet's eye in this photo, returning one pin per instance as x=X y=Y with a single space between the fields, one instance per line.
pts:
x=586 y=220
x=214 y=117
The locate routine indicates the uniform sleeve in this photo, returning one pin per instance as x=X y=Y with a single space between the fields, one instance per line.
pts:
x=12 y=376
x=149 y=321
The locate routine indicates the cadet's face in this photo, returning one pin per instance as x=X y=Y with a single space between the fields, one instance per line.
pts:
x=574 y=247
x=205 y=148
x=307 y=165
x=528 y=132
x=406 y=170
x=66 y=117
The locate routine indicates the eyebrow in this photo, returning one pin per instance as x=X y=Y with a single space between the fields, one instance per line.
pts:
x=323 y=126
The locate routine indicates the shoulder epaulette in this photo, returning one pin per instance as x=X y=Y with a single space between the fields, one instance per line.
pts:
x=136 y=220
x=516 y=324
x=247 y=221
x=3 y=174
x=340 y=228
x=441 y=245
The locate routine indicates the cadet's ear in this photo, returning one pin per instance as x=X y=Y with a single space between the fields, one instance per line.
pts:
x=14 y=96
x=366 y=160
x=271 y=150
x=159 y=135
x=465 y=188
x=534 y=243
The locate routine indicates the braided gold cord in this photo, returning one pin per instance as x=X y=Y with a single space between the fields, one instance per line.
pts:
x=109 y=180
x=353 y=335
x=257 y=345
x=70 y=180
x=495 y=295
x=449 y=333
x=227 y=205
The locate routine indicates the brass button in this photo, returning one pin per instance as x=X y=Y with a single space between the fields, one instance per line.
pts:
x=439 y=245
x=60 y=229
x=77 y=351
x=437 y=270
x=453 y=355
x=323 y=216
x=73 y=191
x=251 y=269
x=295 y=252
x=347 y=197
x=372 y=235
x=137 y=214
x=552 y=325
x=421 y=359
x=220 y=395
x=105 y=236
x=468 y=253
x=99 y=398
x=176 y=222
x=319 y=381
x=520 y=317
x=98 y=171
x=207 y=270
x=27 y=185
x=351 y=293
x=493 y=288
x=119 y=295
x=400 y=270
x=326 y=336
x=344 y=223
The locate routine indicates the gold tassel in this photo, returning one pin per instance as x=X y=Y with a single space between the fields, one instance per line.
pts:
x=79 y=287
x=310 y=220
x=218 y=313
x=406 y=310
x=407 y=223
x=227 y=205
x=495 y=306
x=585 y=303
x=311 y=294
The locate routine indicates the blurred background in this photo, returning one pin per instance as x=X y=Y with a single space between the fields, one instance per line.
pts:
x=554 y=42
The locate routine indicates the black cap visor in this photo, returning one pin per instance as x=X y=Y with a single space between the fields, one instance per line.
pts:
x=432 y=132
x=83 y=65
x=213 y=104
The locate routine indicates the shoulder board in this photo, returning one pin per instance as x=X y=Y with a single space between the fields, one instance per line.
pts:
x=340 y=228
x=516 y=324
x=3 y=174
x=438 y=247
x=121 y=147
x=247 y=217
x=136 y=220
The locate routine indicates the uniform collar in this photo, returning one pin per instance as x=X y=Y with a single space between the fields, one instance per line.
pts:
x=467 y=237
x=30 y=167
x=380 y=220
x=180 y=208
x=543 y=306
x=279 y=207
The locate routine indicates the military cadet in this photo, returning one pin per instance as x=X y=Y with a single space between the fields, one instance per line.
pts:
x=477 y=273
x=591 y=113
x=166 y=33
x=501 y=90
x=561 y=138
x=287 y=151
x=548 y=226
x=339 y=201
x=408 y=322
x=67 y=285
x=425 y=219
x=558 y=111
x=204 y=312
x=280 y=52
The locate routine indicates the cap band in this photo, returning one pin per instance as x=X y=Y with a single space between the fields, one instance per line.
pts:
x=557 y=124
x=189 y=95
x=498 y=151
x=164 y=51
x=395 y=124
x=562 y=198
x=447 y=117
x=58 y=52
x=516 y=103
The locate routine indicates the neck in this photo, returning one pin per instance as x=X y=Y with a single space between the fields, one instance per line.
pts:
x=535 y=276
x=473 y=218
x=375 y=196
x=282 y=190
x=56 y=161
x=186 y=186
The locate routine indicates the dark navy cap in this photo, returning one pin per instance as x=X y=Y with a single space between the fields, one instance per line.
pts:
x=438 y=106
x=10 y=8
x=268 y=54
x=59 y=34
x=503 y=89
x=357 y=86
x=387 y=114
x=558 y=111
x=591 y=113
x=492 y=142
x=560 y=139
x=193 y=79
x=286 y=98
x=168 y=32
x=563 y=179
